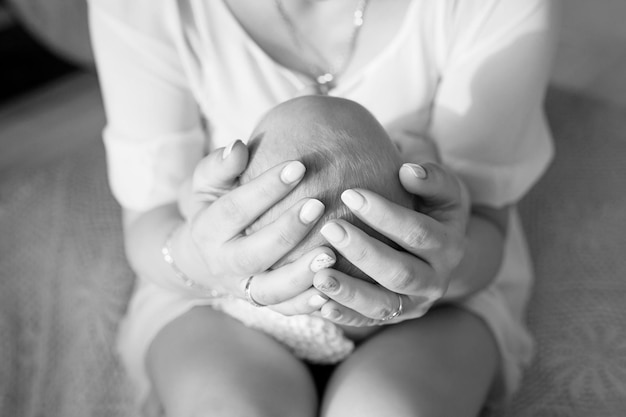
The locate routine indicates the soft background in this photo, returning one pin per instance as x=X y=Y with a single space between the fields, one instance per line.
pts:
x=64 y=282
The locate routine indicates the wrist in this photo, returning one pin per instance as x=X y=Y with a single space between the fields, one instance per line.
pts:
x=185 y=262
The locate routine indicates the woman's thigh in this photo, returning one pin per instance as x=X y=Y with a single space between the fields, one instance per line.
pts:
x=442 y=364
x=206 y=363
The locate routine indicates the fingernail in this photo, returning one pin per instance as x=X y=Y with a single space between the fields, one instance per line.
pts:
x=311 y=211
x=333 y=232
x=317 y=301
x=292 y=172
x=330 y=285
x=322 y=261
x=416 y=170
x=353 y=200
x=331 y=314
x=227 y=150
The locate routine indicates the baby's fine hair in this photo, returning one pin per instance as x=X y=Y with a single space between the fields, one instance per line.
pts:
x=342 y=146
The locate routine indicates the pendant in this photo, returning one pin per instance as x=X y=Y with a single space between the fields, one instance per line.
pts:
x=325 y=83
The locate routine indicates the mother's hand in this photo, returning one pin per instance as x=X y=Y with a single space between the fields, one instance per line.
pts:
x=408 y=282
x=213 y=243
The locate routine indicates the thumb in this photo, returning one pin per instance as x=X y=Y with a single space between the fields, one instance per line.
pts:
x=443 y=195
x=219 y=171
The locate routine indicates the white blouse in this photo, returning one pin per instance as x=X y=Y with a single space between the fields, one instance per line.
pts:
x=450 y=69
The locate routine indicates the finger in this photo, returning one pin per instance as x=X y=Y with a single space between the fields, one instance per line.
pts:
x=443 y=195
x=262 y=249
x=307 y=302
x=288 y=281
x=436 y=242
x=365 y=298
x=395 y=270
x=218 y=172
x=417 y=233
x=342 y=315
x=228 y=216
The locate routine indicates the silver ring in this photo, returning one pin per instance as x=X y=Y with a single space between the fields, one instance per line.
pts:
x=397 y=312
x=249 y=294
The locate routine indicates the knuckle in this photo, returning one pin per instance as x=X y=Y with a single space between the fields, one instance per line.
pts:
x=346 y=294
x=285 y=239
x=416 y=236
x=366 y=322
x=349 y=319
x=402 y=281
x=360 y=255
x=382 y=312
x=352 y=321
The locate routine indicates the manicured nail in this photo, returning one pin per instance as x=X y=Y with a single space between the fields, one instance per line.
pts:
x=317 y=301
x=353 y=200
x=330 y=285
x=416 y=170
x=311 y=211
x=333 y=232
x=331 y=314
x=227 y=150
x=292 y=172
x=322 y=261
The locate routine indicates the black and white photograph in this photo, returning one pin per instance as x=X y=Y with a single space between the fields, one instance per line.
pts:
x=312 y=208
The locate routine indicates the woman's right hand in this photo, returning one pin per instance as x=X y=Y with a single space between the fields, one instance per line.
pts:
x=212 y=246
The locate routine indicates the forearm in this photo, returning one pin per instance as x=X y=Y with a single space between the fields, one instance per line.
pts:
x=483 y=254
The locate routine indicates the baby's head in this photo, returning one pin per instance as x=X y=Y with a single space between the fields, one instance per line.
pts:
x=342 y=146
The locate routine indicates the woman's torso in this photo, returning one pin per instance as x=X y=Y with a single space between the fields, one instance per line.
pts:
x=238 y=69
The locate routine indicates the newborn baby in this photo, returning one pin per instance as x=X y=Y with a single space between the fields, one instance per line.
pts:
x=342 y=146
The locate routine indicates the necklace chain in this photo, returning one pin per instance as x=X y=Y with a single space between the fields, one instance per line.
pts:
x=325 y=76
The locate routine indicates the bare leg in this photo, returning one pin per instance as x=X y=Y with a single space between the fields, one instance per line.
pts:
x=208 y=364
x=440 y=365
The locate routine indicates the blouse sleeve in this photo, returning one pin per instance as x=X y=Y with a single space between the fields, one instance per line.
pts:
x=153 y=136
x=488 y=115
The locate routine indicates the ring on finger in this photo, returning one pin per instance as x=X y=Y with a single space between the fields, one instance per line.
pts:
x=397 y=312
x=248 y=293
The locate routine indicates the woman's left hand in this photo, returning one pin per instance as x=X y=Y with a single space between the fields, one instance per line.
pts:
x=408 y=282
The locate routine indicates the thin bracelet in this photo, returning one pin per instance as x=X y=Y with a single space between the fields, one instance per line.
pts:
x=166 y=250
